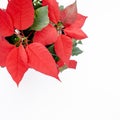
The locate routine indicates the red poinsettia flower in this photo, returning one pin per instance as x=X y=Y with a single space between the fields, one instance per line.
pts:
x=68 y=23
x=18 y=57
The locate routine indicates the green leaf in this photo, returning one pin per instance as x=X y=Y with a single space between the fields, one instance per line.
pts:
x=61 y=69
x=79 y=42
x=76 y=51
x=74 y=43
x=12 y=39
x=52 y=51
x=37 y=4
x=41 y=19
x=61 y=7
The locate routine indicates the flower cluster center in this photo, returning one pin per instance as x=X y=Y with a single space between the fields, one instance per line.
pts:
x=20 y=37
x=60 y=27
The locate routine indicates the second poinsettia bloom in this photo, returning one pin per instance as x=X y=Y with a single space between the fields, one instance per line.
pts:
x=68 y=23
x=68 y=20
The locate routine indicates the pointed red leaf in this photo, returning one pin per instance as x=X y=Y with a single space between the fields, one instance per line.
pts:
x=63 y=48
x=74 y=30
x=79 y=22
x=5 y=49
x=6 y=25
x=72 y=64
x=16 y=63
x=46 y=36
x=69 y=14
x=53 y=8
x=41 y=60
x=22 y=13
x=76 y=33
x=60 y=63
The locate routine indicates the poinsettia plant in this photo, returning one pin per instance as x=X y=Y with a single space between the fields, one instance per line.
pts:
x=39 y=34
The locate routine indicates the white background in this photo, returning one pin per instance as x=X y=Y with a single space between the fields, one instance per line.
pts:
x=91 y=92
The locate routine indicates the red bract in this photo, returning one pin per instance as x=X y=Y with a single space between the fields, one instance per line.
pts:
x=21 y=12
x=74 y=30
x=16 y=63
x=18 y=15
x=5 y=48
x=63 y=47
x=40 y=59
x=46 y=36
x=71 y=64
x=69 y=14
x=54 y=12
x=6 y=25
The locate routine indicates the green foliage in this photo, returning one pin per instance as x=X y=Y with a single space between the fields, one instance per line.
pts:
x=41 y=19
x=61 y=69
x=12 y=39
x=52 y=51
x=37 y=4
x=76 y=50
x=79 y=42
x=61 y=7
